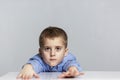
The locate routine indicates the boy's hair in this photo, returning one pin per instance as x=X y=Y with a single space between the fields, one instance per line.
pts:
x=52 y=32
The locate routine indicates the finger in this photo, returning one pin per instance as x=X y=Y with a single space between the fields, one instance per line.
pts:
x=81 y=73
x=36 y=75
x=27 y=77
x=61 y=75
x=65 y=75
x=30 y=76
x=23 y=77
x=19 y=76
x=72 y=72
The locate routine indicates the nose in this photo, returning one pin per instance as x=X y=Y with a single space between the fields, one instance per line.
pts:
x=52 y=53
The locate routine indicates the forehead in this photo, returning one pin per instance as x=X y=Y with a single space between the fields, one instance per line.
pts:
x=57 y=41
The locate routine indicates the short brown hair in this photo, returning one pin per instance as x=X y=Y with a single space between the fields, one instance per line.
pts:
x=52 y=32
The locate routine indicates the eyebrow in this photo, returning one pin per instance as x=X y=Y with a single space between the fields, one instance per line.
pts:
x=55 y=46
x=58 y=46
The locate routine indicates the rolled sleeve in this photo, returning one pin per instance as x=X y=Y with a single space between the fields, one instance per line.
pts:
x=36 y=63
x=72 y=63
x=70 y=60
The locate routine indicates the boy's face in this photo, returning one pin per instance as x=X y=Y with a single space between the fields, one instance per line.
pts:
x=53 y=51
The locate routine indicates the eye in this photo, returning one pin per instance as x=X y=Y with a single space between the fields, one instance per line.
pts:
x=47 y=49
x=58 y=48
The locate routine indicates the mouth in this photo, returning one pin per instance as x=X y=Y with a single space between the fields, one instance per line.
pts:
x=52 y=59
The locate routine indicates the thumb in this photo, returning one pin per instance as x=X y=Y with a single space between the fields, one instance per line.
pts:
x=81 y=73
x=18 y=76
x=36 y=75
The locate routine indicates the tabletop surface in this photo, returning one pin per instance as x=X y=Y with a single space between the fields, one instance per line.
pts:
x=88 y=75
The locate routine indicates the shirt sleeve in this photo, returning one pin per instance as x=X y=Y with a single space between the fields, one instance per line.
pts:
x=71 y=61
x=36 y=63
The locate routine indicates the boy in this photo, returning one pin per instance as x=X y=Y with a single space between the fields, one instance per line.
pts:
x=53 y=56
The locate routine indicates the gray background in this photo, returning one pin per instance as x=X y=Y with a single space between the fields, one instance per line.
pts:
x=93 y=27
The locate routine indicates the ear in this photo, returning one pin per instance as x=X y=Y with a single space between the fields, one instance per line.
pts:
x=66 y=51
x=40 y=50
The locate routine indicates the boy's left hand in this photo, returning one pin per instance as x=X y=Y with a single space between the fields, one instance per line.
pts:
x=72 y=72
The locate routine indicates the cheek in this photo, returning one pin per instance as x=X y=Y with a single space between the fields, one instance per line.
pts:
x=45 y=55
x=62 y=54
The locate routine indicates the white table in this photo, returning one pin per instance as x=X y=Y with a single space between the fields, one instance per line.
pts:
x=89 y=75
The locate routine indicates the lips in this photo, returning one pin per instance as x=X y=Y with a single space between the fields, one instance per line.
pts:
x=52 y=59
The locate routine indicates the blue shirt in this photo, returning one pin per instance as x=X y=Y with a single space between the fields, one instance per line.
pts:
x=40 y=66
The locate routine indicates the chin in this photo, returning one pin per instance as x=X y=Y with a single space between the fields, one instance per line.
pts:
x=52 y=65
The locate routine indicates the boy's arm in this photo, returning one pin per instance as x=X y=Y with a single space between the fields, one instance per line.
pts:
x=71 y=73
x=74 y=63
x=31 y=68
x=27 y=72
x=36 y=63
x=71 y=67
x=71 y=60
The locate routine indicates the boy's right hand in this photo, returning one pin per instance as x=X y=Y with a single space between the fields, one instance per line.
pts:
x=27 y=72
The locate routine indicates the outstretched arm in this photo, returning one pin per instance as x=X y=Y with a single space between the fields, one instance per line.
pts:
x=70 y=73
x=27 y=72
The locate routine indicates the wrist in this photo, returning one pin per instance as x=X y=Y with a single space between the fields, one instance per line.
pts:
x=28 y=66
x=72 y=67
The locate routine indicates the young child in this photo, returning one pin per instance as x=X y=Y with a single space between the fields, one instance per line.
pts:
x=53 y=56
